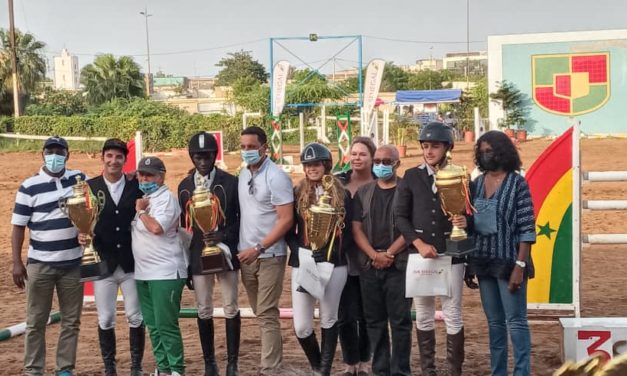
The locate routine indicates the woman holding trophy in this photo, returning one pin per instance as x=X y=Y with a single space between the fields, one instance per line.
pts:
x=317 y=256
x=160 y=265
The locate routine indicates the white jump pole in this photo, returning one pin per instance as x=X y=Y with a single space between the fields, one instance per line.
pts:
x=301 y=130
x=386 y=126
x=323 y=125
x=605 y=204
x=139 y=147
x=605 y=176
x=605 y=238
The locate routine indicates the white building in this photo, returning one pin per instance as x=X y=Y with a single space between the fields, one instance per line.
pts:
x=66 y=74
x=477 y=61
x=428 y=64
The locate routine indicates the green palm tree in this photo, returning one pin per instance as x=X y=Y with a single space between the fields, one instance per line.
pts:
x=30 y=61
x=107 y=78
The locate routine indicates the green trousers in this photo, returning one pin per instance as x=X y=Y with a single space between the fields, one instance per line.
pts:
x=160 y=302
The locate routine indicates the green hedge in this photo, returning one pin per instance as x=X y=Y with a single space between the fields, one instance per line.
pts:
x=159 y=132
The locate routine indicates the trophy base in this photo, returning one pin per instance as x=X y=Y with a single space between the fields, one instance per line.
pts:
x=458 y=248
x=94 y=272
x=213 y=263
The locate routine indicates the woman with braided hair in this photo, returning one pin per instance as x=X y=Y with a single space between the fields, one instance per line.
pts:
x=317 y=163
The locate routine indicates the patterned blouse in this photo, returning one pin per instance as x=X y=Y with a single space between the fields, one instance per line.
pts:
x=515 y=222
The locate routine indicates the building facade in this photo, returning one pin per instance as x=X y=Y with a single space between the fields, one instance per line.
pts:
x=66 y=73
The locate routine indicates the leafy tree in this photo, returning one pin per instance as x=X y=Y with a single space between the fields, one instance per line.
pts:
x=310 y=87
x=31 y=67
x=57 y=102
x=237 y=65
x=477 y=96
x=137 y=107
x=251 y=94
x=394 y=78
x=513 y=102
x=107 y=78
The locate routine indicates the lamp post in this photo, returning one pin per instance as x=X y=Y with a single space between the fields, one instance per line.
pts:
x=16 y=89
x=146 y=15
x=467 y=44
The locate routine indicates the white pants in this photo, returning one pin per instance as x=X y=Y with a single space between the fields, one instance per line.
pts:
x=106 y=296
x=303 y=303
x=203 y=288
x=451 y=306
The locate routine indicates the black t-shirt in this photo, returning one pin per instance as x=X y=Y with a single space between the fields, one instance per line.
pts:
x=381 y=210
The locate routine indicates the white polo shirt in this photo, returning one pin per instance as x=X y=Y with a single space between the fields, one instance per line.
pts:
x=159 y=256
x=258 y=194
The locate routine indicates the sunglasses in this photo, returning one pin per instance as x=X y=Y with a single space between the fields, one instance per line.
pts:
x=384 y=161
x=251 y=186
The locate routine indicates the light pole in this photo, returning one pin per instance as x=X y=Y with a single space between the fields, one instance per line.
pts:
x=16 y=89
x=467 y=44
x=146 y=15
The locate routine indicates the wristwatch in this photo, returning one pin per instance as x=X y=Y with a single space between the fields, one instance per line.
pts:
x=139 y=213
x=260 y=248
x=522 y=264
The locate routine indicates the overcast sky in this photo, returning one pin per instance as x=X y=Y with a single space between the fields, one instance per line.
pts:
x=188 y=37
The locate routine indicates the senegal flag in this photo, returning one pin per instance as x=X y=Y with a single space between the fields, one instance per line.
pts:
x=550 y=180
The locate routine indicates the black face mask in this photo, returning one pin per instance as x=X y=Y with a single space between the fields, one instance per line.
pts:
x=488 y=161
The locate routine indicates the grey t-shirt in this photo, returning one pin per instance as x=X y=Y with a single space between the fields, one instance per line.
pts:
x=258 y=195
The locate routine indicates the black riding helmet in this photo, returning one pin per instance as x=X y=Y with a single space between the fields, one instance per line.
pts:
x=202 y=142
x=315 y=152
x=436 y=131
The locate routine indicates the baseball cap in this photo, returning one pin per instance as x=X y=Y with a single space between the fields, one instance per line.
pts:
x=56 y=141
x=151 y=165
x=115 y=143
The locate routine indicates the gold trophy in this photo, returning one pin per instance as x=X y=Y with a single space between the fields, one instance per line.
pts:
x=83 y=209
x=323 y=220
x=206 y=214
x=452 y=184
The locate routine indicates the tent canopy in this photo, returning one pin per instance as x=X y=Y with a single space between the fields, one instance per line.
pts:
x=428 y=96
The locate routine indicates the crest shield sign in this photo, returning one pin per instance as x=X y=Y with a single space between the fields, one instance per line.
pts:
x=571 y=84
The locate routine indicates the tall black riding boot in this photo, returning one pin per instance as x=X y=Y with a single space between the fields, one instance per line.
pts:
x=205 y=329
x=137 y=340
x=312 y=350
x=327 y=349
x=426 y=345
x=233 y=327
x=455 y=352
x=107 y=348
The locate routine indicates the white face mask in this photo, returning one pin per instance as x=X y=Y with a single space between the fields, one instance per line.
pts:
x=54 y=163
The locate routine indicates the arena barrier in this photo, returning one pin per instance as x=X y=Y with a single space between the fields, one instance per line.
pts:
x=604 y=176
x=19 y=329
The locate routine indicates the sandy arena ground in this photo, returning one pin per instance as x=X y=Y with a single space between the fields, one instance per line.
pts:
x=603 y=281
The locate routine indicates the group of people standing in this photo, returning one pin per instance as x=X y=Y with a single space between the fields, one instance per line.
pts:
x=363 y=304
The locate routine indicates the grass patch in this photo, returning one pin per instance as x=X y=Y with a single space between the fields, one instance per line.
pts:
x=8 y=145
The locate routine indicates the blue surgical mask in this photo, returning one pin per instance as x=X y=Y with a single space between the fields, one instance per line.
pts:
x=148 y=187
x=382 y=171
x=54 y=163
x=251 y=157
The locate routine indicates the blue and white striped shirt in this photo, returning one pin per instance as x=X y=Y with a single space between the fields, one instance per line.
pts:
x=53 y=237
x=515 y=221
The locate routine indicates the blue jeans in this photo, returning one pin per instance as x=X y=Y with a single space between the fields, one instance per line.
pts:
x=506 y=311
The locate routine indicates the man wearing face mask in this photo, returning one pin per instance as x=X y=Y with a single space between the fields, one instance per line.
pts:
x=425 y=227
x=53 y=259
x=266 y=199
x=383 y=262
x=203 y=149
